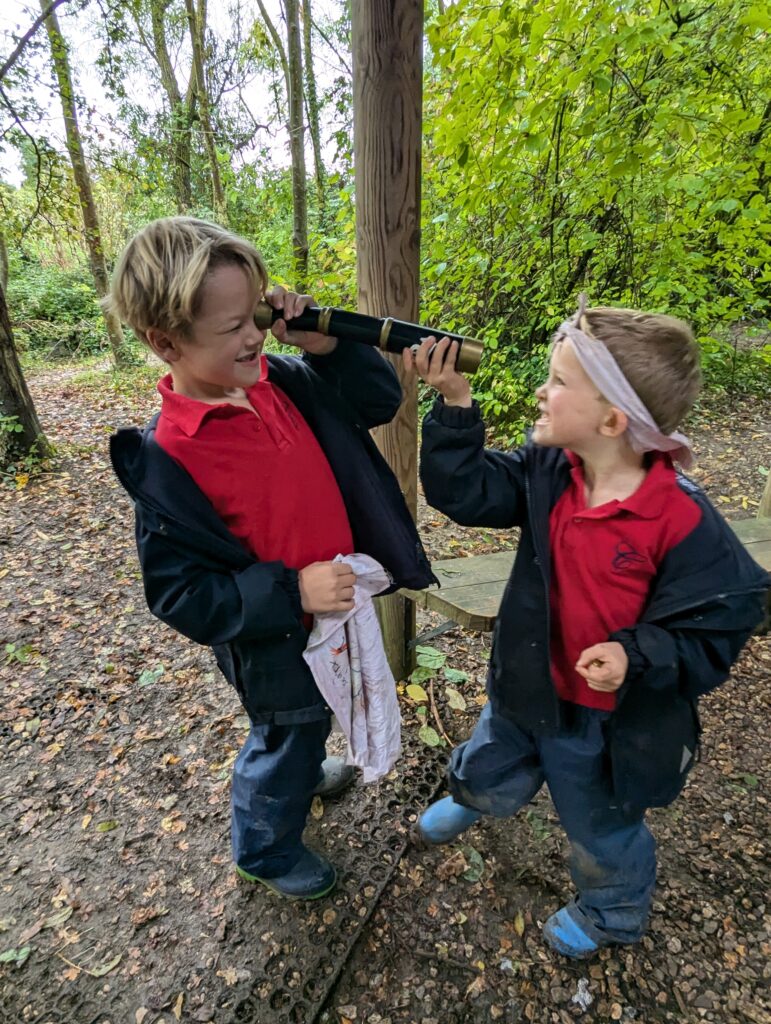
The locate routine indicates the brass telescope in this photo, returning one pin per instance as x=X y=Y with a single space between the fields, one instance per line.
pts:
x=385 y=333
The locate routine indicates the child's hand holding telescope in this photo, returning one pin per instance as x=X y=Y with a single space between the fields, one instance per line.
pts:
x=434 y=362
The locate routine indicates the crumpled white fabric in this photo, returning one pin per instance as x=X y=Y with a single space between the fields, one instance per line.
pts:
x=346 y=656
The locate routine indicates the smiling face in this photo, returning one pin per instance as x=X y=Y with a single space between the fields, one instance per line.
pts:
x=220 y=355
x=572 y=412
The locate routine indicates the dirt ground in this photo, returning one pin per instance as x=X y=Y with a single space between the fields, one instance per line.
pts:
x=118 y=904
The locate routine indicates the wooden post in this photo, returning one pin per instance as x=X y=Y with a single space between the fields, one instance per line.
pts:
x=764 y=509
x=387 y=43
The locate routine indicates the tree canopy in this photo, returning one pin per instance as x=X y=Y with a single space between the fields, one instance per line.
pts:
x=618 y=149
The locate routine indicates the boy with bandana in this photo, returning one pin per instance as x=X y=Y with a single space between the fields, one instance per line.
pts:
x=629 y=598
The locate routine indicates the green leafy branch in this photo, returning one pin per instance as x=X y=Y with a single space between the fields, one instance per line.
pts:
x=432 y=663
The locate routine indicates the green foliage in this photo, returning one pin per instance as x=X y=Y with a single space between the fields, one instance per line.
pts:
x=133 y=384
x=620 y=149
x=54 y=310
x=739 y=364
x=19 y=467
x=616 y=148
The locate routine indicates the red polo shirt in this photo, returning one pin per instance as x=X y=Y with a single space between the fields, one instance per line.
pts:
x=604 y=561
x=263 y=471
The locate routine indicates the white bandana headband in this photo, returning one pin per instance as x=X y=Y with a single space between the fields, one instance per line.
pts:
x=606 y=375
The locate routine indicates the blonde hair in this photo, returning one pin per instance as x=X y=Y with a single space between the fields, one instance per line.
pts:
x=160 y=274
x=658 y=356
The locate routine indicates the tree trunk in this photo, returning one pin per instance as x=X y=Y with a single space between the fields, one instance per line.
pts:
x=764 y=510
x=3 y=262
x=387 y=90
x=181 y=109
x=297 y=144
x=312 y=105
x=93 y=233
x=197 y=23
x=16 y=406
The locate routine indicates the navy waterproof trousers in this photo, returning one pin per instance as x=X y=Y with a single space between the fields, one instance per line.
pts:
x=613 y=856
x=274 y=776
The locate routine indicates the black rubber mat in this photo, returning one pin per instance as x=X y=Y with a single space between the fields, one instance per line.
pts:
x=292 y=953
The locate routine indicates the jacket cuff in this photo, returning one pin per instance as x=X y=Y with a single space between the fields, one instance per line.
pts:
x=292 y=587
x=458 y=416
x=638 y=663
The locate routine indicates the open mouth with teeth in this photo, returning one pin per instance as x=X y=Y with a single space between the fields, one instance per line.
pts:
x=250 y=358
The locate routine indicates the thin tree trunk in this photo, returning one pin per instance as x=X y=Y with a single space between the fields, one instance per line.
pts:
x=291 y=65
x=181 y=109
x=16 y=405
x=3 y=262
x=93 y=233
x=273 y=33
x=312 y=104
x=197 y=23
x=387 y=38
x=297 y=144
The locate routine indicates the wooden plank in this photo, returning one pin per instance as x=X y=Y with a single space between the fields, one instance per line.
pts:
x=755 y=535
x=471 y=589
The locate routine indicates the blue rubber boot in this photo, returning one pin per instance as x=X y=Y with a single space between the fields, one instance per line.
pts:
x=567 y=937
x=311 y=878
x=444 y=820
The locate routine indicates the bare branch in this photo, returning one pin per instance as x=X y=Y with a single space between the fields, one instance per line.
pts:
x=27 y=36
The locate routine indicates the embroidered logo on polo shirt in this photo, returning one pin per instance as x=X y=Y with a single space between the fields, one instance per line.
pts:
x=626 y=557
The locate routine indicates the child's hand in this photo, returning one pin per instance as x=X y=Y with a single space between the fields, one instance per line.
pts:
x=293 y=304
x=326 y=587
x=603 y=666
x=435 y=363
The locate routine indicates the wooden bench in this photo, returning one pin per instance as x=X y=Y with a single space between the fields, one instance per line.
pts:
x=471 y=588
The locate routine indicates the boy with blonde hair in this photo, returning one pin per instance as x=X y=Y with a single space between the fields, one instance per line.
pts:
x=629 y=598
x=257 y=472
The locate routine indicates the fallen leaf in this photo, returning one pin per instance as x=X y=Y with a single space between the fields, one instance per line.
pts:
x=15 y=956
x=456 y=700
x=317 y=808
x=417 y=693
x=452 y=867
x=145 y=914
x=519 y=923
x=58 y=919
x=177 y=1011
x=173 y=825
x=230 y=976
x=429 y=736
x=476 y=866
x=454 y=675
x=99 y=972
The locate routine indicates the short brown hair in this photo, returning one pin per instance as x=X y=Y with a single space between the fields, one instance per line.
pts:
x=658 y=356
x=159 y=277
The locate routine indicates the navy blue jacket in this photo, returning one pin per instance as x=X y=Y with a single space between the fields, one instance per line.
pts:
x=202 y=581
x=705 y=601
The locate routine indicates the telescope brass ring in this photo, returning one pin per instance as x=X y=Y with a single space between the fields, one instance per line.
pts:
x=470 y=355
x=325 y=315
x=263 y=316
x=385 y=330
